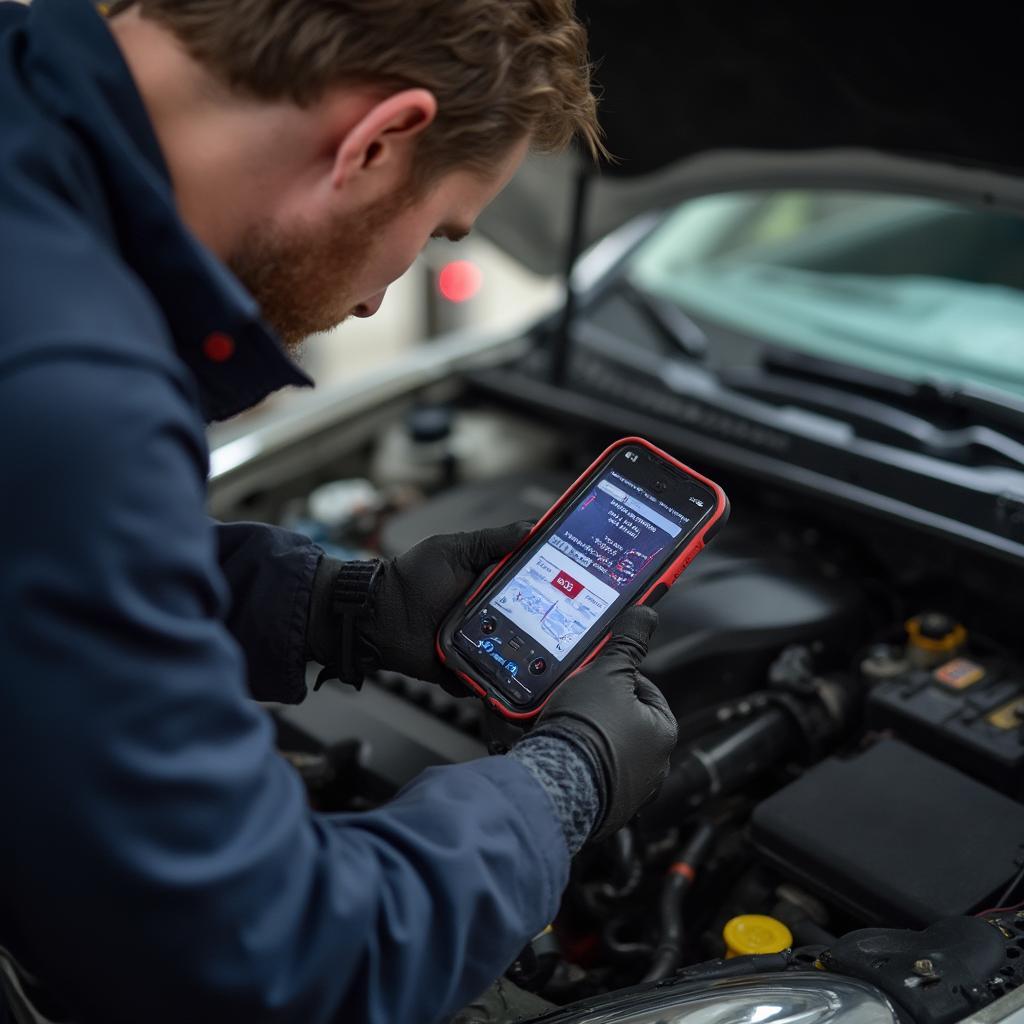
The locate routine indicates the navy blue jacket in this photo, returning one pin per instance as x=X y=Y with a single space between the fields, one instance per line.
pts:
x=158 y=861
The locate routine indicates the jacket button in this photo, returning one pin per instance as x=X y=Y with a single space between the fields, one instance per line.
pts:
x=219 y=347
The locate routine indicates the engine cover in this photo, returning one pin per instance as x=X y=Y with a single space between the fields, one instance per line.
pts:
x=893 y=836
x=739 y=603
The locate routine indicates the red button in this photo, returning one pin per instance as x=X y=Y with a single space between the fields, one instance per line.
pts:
x=219 y=347
x=564 y=582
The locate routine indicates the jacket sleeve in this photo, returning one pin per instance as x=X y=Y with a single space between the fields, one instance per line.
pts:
x=269 y=573
x=164 y=863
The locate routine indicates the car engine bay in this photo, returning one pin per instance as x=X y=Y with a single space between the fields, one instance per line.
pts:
x=844 y=797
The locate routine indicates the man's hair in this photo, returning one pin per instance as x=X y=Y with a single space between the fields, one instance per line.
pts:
x=501 y=70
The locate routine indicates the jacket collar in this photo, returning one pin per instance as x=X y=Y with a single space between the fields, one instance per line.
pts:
x=78 y=72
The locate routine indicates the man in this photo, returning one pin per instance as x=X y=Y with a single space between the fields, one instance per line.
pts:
x=159 y=861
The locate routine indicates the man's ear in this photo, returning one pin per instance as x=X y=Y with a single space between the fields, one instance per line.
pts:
x=383 y=138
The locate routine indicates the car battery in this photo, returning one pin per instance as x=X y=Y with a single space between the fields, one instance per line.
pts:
x=968 y=711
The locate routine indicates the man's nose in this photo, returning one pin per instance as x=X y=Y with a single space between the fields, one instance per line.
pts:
x=370 y=306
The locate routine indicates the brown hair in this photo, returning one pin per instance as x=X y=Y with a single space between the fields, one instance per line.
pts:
x=500 y=69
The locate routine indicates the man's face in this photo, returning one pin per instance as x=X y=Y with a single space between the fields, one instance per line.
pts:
x=309 y=277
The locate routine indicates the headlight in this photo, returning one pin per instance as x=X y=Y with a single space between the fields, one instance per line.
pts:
x=797 y=998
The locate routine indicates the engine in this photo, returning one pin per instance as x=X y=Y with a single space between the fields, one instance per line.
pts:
x=843 y=807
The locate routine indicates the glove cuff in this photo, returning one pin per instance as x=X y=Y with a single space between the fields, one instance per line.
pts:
x=586 y=745
x=567 y=775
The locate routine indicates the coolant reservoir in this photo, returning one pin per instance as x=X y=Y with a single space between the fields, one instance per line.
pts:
x=428 y=450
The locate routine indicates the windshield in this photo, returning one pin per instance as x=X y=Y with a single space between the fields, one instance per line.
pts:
x=914 y=288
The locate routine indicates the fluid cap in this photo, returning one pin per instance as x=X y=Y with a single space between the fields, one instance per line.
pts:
x=427 y=423
x=755 y=933
x=935 y=632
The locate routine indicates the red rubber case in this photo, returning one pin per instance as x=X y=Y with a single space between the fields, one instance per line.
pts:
x=454 y=659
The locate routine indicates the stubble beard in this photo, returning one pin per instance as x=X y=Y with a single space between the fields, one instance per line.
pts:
x=300 y=276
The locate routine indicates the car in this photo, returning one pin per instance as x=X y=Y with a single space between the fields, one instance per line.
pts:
x=804 y=276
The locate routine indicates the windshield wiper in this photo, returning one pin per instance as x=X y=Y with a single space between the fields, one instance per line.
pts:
x=957 y=423
x=675 y=326
x=956 y=404
x=948 y=423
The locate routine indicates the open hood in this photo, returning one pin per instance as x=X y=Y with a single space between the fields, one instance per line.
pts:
x=698 y=98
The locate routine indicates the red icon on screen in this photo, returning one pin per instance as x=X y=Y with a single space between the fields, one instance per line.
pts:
x=567 y=585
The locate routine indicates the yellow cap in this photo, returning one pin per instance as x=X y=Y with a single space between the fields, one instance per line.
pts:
x=954 y=639
x=755 y=933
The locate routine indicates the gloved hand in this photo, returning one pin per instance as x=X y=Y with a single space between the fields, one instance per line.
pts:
x=416 y=590
x=619 y=720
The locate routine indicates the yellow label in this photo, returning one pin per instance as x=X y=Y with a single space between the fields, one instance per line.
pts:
x=1008 y=716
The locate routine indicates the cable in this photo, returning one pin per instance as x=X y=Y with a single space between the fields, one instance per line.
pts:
x=999 y=910
x=1007 y=892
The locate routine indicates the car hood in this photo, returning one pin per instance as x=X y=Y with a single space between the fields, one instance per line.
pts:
x=699 y=98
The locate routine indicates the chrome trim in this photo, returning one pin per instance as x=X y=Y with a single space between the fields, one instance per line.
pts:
x=797 y=998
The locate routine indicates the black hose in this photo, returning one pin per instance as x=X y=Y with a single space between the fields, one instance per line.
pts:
x=721 y=764
x=599 y=897
x=720 y=716
x=809 y=933
x=623 y=848
x=627 y=874
x=669 y=951
x=619 y=948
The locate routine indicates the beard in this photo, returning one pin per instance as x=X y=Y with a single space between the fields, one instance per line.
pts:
x=300 y=276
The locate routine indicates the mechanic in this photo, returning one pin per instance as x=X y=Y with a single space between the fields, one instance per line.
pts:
x=168 y=172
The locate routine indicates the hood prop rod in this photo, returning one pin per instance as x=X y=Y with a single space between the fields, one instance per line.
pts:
x=561 y=339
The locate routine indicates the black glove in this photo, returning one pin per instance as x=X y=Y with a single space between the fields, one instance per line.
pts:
x=619 y=720
x=418 y=589
x=410 y=597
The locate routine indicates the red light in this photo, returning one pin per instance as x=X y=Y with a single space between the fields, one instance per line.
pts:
x=460 y=280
